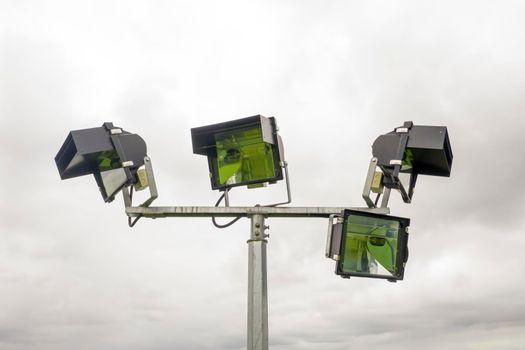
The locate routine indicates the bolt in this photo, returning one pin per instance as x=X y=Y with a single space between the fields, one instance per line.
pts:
x=257 y=225
x=257 y=233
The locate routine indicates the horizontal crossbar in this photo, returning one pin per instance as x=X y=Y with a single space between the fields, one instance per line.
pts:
x=188 y=211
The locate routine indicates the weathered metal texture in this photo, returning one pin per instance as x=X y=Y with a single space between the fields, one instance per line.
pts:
x=257 y=286
x=368 y=183
x=186 y=211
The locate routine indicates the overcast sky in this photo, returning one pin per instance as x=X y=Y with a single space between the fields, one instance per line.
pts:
x=335 y=74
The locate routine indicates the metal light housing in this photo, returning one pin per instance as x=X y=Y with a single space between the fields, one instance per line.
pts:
x=242 y=152
x=370 y=245
x=413 y=150
x=115 y=157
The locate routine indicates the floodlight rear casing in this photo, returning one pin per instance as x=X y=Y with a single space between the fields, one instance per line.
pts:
x=203 y=141
x=79 y=152
x=428 y=148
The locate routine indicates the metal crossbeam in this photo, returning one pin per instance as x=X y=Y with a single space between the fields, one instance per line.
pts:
x=297 y=212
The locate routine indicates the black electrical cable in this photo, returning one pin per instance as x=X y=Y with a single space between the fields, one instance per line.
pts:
x=377 y=199
x=220 y=200
x=132 y=223
x=225 y=225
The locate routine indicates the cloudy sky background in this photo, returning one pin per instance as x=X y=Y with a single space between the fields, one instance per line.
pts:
x=335 y=74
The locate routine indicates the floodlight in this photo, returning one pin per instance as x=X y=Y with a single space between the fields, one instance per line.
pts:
x=114 y=156
x=242 y=152
x=369 y=245
x=413 y=150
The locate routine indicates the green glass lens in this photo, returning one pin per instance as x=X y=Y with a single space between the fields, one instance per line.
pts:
x=408 y=159
x=370 y=245
x=112 y=174
x=243 y=157
x=108 y=160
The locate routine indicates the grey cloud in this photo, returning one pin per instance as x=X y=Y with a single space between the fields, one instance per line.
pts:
x=335 y=76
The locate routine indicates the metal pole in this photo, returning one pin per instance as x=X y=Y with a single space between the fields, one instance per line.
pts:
x=257 y=286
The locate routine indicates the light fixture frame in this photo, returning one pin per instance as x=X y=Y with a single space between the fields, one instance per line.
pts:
x=77 y=155
x=203 y=141
x=336 y=244
x=429 y=147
